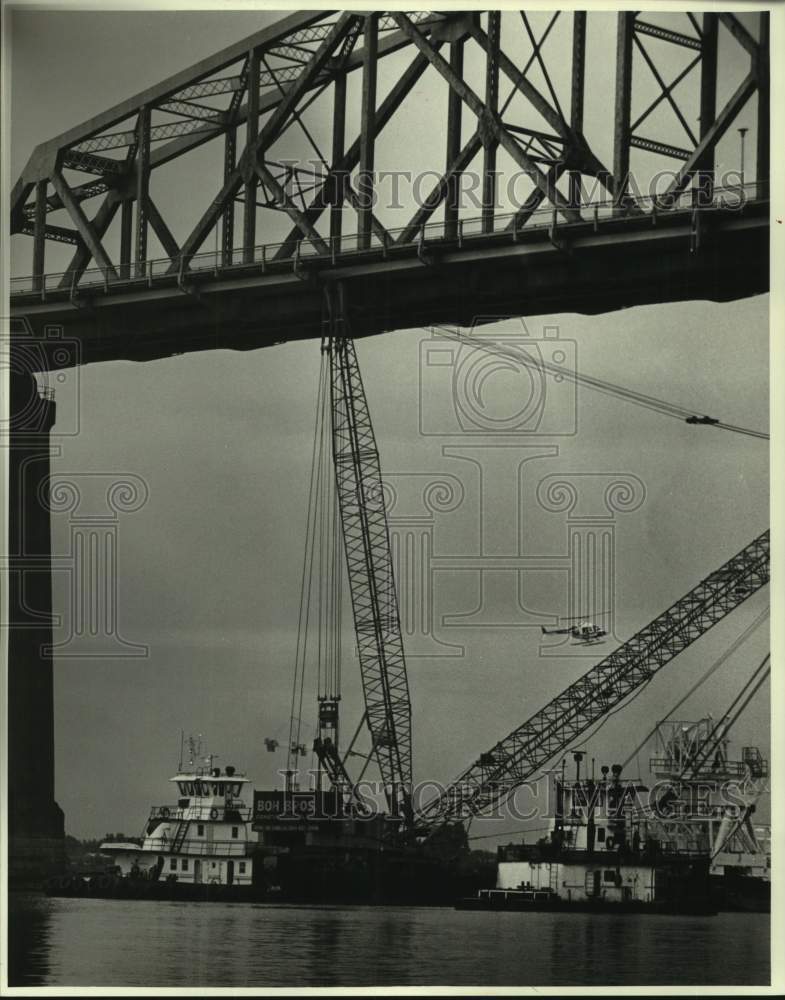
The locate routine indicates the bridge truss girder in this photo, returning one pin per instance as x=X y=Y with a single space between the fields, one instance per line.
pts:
x=265 y=83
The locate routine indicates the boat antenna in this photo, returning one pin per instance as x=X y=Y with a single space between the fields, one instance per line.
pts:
x=182 y=738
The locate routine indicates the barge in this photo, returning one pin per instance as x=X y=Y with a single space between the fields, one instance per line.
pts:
x=599 y=855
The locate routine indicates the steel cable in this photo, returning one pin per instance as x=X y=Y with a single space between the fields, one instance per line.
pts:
x=597 y=384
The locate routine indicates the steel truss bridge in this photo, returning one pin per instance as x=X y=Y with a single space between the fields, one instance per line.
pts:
x=283 y=205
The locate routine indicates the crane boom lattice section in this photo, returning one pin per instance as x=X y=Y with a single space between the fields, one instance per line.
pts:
x=524 y=753
x=371 y=579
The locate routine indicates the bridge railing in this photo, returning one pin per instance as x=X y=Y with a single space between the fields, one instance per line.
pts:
x=274 y=256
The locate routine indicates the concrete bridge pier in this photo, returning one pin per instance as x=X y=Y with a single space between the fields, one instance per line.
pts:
x=35 y=821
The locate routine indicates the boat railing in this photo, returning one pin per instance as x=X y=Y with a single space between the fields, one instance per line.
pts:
x=200 y=847
x=529 y=895
x=237 y=812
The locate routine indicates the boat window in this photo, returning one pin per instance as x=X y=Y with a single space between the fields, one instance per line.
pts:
x=220 y=788
x=190 y=787
x=215 y=788
x=173 y=864
x=601 y=834
x=197 y=788
x=200 y=829
x=242 y=867
x=235 y=832
x=181 y=786
x=236 y=788
x=184 y=864
x=610 y=875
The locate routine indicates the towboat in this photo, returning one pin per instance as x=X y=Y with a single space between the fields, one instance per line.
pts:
x=199 y=846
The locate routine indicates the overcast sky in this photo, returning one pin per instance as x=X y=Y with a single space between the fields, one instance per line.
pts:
x=209 y=568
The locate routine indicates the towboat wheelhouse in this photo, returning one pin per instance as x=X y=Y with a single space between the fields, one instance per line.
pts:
x=203 y=838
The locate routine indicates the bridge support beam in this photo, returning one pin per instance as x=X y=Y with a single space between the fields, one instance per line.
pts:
x=251 y=179
x=368 y=131
x=338 y=151
x=621 y=130
x=490 y=142
x=39 y=236
x=576 y=94
x=763 y=128
x=454 y=106
x=142 y=188
x=35 y=821
x=708 y=96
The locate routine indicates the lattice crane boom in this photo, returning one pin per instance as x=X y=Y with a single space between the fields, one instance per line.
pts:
x=369 y=564
x=523 y=754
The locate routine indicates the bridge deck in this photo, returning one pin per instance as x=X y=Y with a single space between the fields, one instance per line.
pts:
x=606 y=261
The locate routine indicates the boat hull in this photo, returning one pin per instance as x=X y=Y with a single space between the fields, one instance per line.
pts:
x=741 y=893
x=117 y=887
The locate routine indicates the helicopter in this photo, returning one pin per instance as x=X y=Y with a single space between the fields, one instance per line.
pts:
x=585 y=632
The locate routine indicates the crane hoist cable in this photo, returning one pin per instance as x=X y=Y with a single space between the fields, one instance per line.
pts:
x=598 y=385
x=307 y=579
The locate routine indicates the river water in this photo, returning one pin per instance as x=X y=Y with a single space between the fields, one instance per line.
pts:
x=94 y=942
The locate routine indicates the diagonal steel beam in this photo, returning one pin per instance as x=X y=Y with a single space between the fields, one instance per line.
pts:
x=441 y=189
x=377 y=228
x=718 y=129
x=83 y=225
x=161 y=230
x=740 y=33
x=266 y=137
x=488 y=124
x=537 y=48
x=82 y=256
x=333 y=186
x=294 y=213
x=529 y=91
x=664 y=88
x=535 y=199
x=666 y=92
